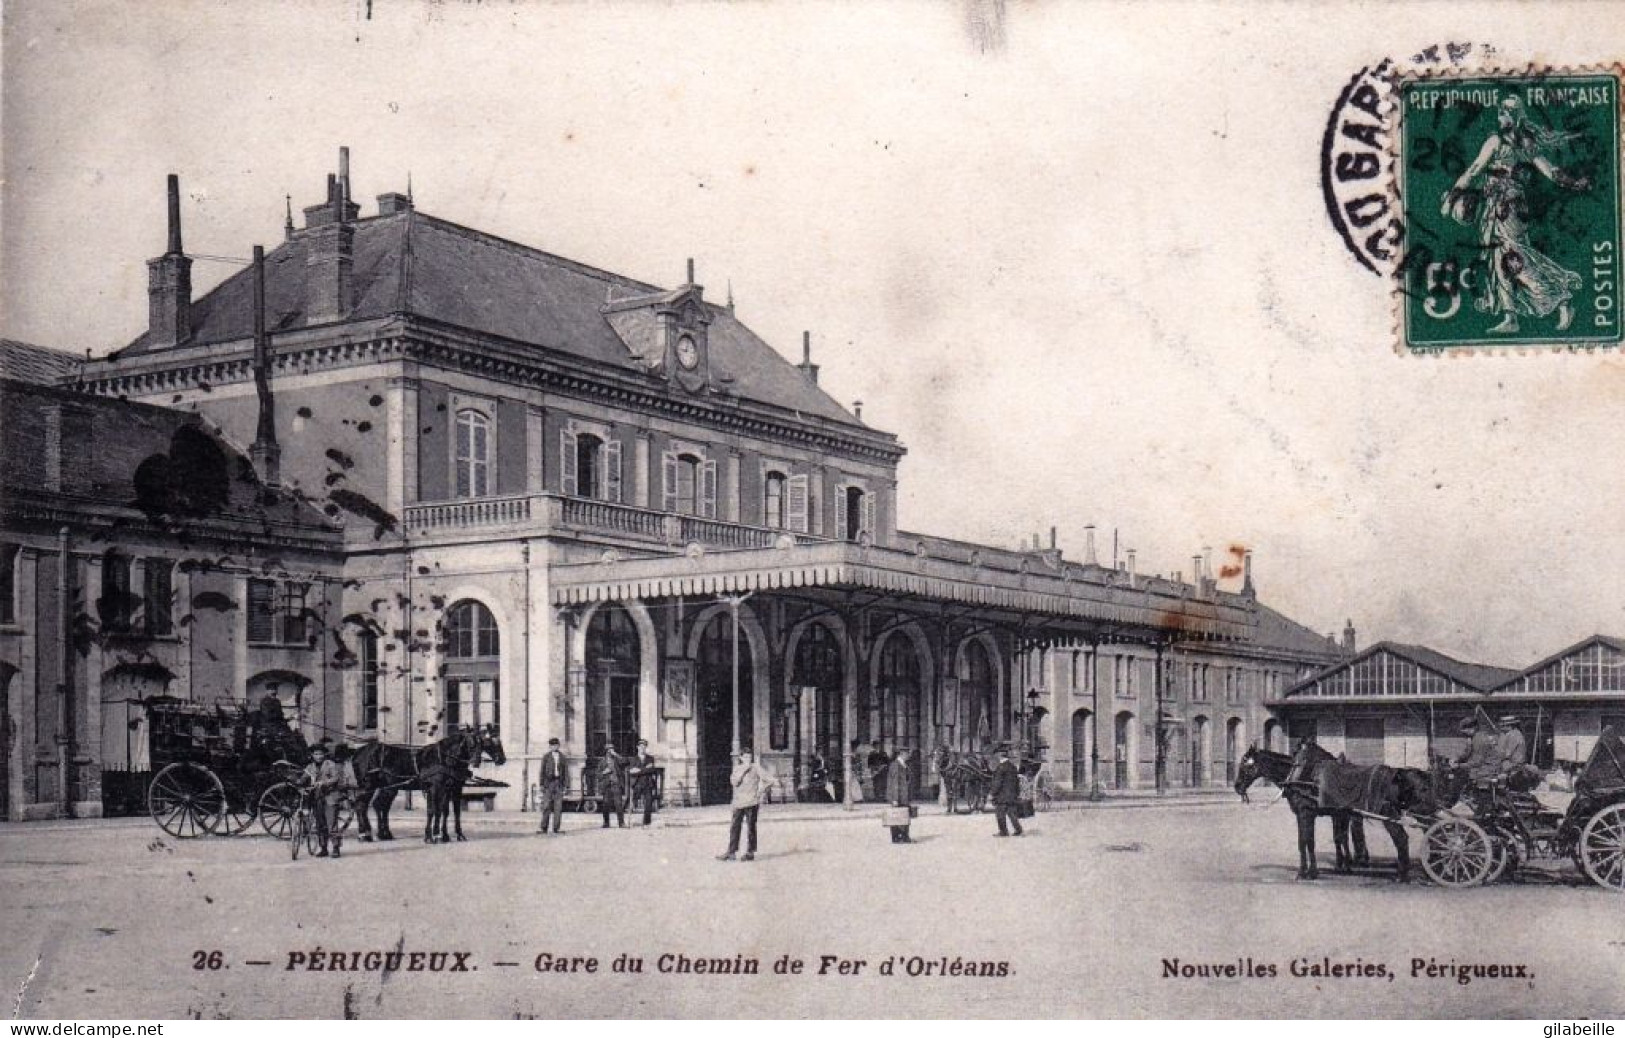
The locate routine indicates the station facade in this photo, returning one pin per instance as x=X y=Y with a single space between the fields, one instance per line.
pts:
x=574 y=505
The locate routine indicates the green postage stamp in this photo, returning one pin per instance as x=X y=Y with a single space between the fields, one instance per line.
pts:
x=1510 y=186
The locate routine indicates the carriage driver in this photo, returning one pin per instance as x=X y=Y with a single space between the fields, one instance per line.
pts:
x=1482 y=758
x=1510 y=748
x=332 y=782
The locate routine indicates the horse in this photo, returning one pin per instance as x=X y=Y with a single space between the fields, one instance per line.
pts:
x=384 y=769
x=443 y=782
x=967 y=777
x=1411 y=791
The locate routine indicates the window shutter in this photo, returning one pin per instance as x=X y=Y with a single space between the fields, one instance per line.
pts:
x=668 y=483
x=612 y=471
x=567 y=463
x=868 y=516
x=796 y=504
x=840 y=512
x=261 y=610
x=708 y=494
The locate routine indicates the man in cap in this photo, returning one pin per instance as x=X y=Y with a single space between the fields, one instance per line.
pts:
x=644 y=775
x=332 y=783
x=1482 y=757
x=1006 y=792
x=554 y=778
x=1510 y=748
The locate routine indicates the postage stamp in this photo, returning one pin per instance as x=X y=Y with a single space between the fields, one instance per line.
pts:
x=1510 y=195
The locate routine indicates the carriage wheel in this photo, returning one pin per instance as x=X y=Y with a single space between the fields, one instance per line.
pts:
x=1602 y=848
x=278 y=805
x=186 y=800
x=1505 y=856
x=589 y=806
x=238 y=816
x=1456 y=852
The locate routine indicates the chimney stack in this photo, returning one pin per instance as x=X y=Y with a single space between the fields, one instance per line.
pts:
x=1348 y=637
x=1131 y=567
x=1247 y=575
x=330 y=252
x=808 y=368
x=857 y=409
x=690 y=280
x=265 y=454
x=1089 y=558
x=1053 y=544
x=169 y=282
x=1196 y=575
x=392 y=202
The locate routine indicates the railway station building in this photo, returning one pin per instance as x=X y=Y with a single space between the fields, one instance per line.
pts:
x=575 y=505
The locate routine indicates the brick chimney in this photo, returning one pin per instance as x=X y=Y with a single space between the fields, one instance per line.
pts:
x=169 y=282
x=330 y=248
x=1348 y=637
x=807 y=367
x=1247 y=587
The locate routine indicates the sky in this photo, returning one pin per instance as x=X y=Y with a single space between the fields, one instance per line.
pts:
x=1074 y=255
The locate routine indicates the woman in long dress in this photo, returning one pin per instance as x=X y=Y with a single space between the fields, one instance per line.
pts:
x=1522 y=280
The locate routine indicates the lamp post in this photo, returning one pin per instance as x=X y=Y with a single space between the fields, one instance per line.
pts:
x=1095 y=791
x=1161 y=729
x=794 y=707
x=1031 y=713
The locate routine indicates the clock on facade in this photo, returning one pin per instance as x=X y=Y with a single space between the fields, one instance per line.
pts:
x=688 y=355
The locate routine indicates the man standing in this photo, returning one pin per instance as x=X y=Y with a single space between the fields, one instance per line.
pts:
x=1510 y=748
x=898 y=793
x=554 y=780
x=1006 y=793
x=751 y=782
x=644 y=775
x=332 y=783
x=879 y=763
x=1482 y=757
x=612 y=787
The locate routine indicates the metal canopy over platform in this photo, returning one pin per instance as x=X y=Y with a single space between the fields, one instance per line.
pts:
x=1091 y=597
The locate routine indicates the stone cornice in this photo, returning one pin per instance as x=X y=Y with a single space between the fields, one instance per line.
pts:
x=114 y=523
x=335 y=347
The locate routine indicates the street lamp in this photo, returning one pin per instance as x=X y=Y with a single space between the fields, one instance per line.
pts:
x=1028 y=717
x=794 y=706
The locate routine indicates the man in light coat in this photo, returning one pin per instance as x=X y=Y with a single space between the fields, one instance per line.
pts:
x=1510 y=748
x=751 y=782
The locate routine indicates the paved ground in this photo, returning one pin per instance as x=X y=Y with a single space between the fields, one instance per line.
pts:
x=107 y=920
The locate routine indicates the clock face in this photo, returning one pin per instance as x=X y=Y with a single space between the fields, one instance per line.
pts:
x=688 y=355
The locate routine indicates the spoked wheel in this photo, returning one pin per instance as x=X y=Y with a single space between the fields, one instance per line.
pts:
x=238 y=816
x=186 y=800
x=1602 y=848
x=278 y=805
x=300 y=830
x=1456 y=852
x=1505 y=856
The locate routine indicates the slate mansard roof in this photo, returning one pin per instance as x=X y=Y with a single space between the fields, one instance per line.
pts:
x=410 y=263
x=40 y=365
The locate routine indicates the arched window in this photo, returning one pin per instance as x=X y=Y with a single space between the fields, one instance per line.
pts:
x=977 y=723
x=473 y=453
x=473 y=651
x=900 y=697
x=773 y=501
x=613 y=666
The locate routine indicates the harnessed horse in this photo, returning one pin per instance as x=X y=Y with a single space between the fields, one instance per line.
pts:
x=1302 y=777
x=443 y=782
x=384 y=769
x=967 y=777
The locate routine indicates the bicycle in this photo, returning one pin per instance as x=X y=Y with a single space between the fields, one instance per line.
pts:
x=304 y=832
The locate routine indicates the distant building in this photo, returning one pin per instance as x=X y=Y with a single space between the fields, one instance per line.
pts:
x=139 y=557
x=1402 y=704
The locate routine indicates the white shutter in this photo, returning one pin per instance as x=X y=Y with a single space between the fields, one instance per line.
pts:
x=840 y=512
x=795 y=509
x=612 y=471
x=567 y=463
x=868 y=516
x=668 y=485
x=708 y=490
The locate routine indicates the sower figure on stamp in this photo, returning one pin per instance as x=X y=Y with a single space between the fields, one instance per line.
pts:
x=331 y=783
x=612 y=787
x=555 y=778
x=1006 y=793
x=898 y=794
x=643 y=776
x=1522 y=280
x=751 y=782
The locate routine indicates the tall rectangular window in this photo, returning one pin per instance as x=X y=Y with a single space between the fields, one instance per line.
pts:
x=293 y=613
x=473 y=456
x=8 y=583
x=369 y=681
x=158 y=593
x=261 y=610
x=115 y=606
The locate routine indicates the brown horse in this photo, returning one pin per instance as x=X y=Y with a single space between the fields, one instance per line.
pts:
x=443 y=782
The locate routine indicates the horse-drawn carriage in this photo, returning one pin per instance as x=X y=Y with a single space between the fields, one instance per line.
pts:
x=967 y=779
x=215 y=767
x=1510 y=825
x=1507 y=824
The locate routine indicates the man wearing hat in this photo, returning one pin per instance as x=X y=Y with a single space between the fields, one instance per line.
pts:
x=644 y=774
x=1006 y=792
x=332 y=783
x=1510 y=748
x=555 y=777
x=1482 y=758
